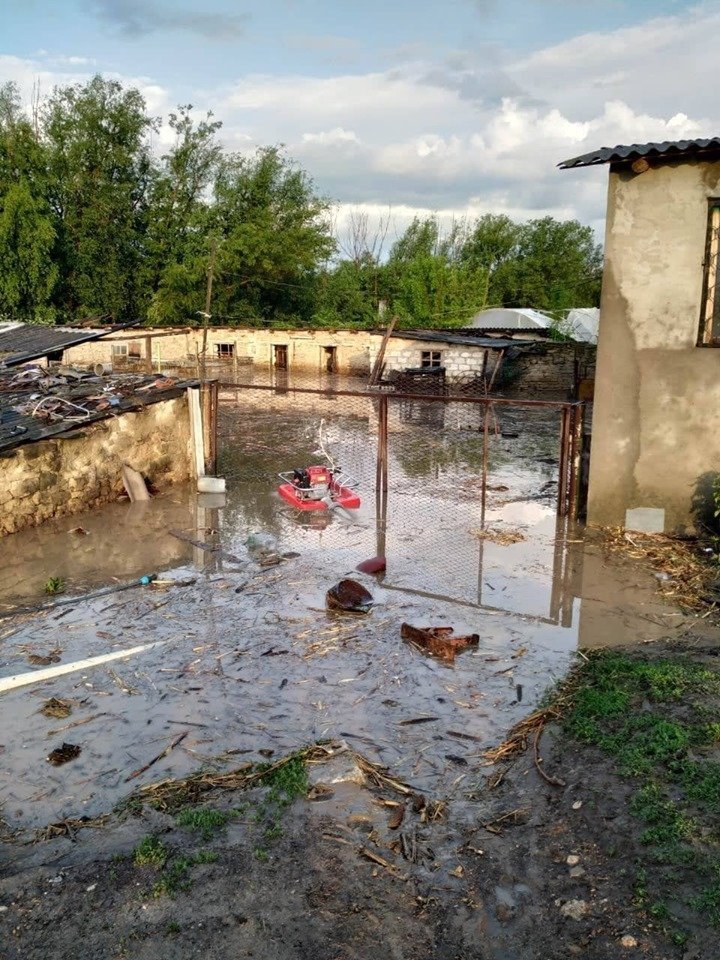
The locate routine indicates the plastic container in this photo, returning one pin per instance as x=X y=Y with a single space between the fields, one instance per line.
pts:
x=211 y=484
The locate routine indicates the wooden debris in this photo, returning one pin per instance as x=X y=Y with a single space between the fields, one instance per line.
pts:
x=509 y=818
x=43 y=661
x=171 y=746
x=438 y=641
x=396 y=818
x=686 y=578
x=553 y=781
x=75 y=723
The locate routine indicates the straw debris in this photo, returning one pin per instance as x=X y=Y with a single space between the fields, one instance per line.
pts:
x=683 y=577
x=502 y=537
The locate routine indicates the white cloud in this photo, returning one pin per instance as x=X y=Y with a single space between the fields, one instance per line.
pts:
x=477 y=132
x=338 y=135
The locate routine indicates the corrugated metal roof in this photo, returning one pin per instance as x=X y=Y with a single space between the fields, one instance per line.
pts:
x=36 y=405
x=459 y=339
x=27 y=341
x=511 y=318
x=667 y=150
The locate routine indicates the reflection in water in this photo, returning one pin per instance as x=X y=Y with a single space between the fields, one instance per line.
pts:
x=327 y=675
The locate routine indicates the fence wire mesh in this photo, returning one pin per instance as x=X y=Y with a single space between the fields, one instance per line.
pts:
x=440 y=535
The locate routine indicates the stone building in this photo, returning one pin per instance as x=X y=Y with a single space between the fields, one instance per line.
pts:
x=656 y=447
x=531 y=365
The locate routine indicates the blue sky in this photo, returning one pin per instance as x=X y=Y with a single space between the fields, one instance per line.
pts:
x=459 y=107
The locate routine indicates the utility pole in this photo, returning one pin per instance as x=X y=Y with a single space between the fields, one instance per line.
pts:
x=205 y=314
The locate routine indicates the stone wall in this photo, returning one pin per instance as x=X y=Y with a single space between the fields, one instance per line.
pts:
x=65 y=475
x=460 y=361
x=543 y=368
x=306 y=349
x=548 y=368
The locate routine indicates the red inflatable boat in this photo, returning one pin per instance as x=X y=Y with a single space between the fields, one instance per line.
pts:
x=318 y=488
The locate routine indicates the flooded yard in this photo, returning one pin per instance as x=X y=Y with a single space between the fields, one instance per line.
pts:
x=233 y=656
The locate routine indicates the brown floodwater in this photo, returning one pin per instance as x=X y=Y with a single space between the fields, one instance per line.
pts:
x=246 y=660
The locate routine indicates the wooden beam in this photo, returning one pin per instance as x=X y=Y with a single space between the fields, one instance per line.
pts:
x=379 y=360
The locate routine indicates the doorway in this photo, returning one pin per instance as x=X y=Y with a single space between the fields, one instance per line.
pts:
x=330 y=359
x=280 y=356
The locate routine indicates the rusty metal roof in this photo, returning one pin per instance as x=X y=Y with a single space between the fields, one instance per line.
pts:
x=464 y=338
x=37 y=404
x=21 y=342
x=667 y=150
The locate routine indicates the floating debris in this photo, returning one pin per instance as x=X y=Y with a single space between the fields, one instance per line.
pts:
x=350 y=596
x=44 y=660
x=502 y=537
x=438 y=641
x=63 y=754
x=57 y=709
x=683 y=575
x=373 y=565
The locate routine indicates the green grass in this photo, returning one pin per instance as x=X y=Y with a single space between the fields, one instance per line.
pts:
x=206 y=856
x=175 y=878
x=203 y=820
x=150 y=852
x=54 y=585
x=287 y=782
x=655 y=720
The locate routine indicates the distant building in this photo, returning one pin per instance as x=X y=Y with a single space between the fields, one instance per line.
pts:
x=582 y=324
x=656 y=444
x=511 y=318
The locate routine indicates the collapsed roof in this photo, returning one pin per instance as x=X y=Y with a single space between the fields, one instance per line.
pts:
x=36 y=404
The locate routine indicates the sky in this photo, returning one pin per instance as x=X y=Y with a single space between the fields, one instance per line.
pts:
x=403 y=107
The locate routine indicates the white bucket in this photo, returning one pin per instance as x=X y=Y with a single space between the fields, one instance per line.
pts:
x=211 y=484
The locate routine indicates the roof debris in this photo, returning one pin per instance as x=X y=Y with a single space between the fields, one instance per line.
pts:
x=39 y=402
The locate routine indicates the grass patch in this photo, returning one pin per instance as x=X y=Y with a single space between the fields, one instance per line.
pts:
x=655 y=720
x=203 y=820
x=175 y=878
x=150 y=852
x=176 y=875
x=287 y=782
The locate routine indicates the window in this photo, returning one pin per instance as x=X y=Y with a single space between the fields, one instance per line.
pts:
x=430 y=359
x=225 y=350
x=710 y=316
x=134 y=350
x=118 y=350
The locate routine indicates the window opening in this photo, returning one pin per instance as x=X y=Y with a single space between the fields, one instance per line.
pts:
x=430 y=359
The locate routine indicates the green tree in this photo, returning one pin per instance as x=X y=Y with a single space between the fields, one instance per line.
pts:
x=265 y=237
x=556 y=265
x=346 y=295
x=99 y=169
x=28 y=272
x=431 y=283
x=178 y=201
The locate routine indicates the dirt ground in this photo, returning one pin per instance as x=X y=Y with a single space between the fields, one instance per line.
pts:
x=554 y=876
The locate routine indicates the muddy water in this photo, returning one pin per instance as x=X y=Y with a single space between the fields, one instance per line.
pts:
x=251 y=665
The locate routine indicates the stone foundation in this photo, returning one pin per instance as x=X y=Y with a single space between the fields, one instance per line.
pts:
x=69 y=474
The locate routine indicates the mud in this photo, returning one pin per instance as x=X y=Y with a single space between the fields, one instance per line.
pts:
x=555 y=881
x=244 y=659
